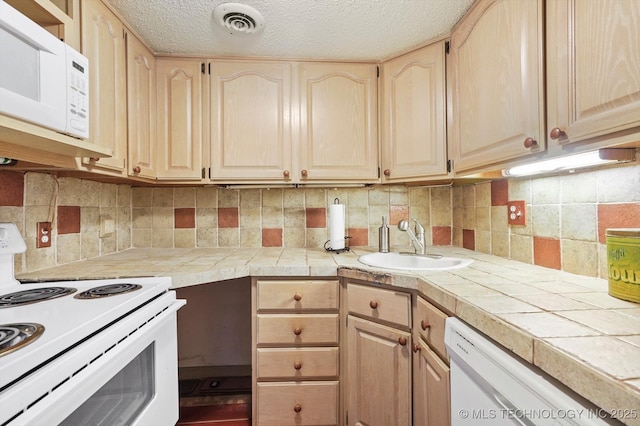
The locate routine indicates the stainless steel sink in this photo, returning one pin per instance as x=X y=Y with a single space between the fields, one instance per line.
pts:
x=413 y=262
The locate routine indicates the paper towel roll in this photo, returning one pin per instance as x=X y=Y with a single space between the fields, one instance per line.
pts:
x=336 y=226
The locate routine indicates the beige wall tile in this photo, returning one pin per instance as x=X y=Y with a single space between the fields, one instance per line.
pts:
x=316 y=237
x=91 y=245
x=272 y=217
x=207 y=237
x=379 y=196
x=545 y=190
x=483 y=241
x=124 y=239
x=521 y=248
x=250 y=198
x=69 y=248
x=483 y=218
x=141 y=238
x=546 y=220
x=184 y=197
x=419 y=196
x=90 y=193
x=39 y=189
x=315 y=197
x=618 y=184
x=579 y=188
x=579 y=222
x=520 y=189
x=469 y=196
x=294 y=218
x=162 y=238
x=141 y=197
x=251 y=237
x=293 y=237
x=185 y=238
x=142 y=217
x=228 y=198
x=162 y=218
x=272 y=198
x=206 y=197
x=108 y=195
x=398 y=195
x=440 y=206
x=162 y=197
x=500 y=244
x=250 y=217
x=71 y=192
x=483 y=194
x=580 y=257
x=228 y=237
x=293 y=198
x=206 y=218
x=124 y=196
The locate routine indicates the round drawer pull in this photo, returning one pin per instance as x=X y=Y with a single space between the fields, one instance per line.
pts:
x=530 y=143
x=416 y=348
x=297 y=365
x=557 y=133
x=137 y=169
x=424 y=324
x=286 y=173
x=297 y=297
x=387 y=172
x=297 y=408
x=297 y=331
x=304 y=173
x=402 y=341
x=373 y=304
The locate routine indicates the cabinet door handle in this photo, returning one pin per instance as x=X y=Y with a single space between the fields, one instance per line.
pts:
x=402 y=341
x=137 y=169
x=557 y=133
x=297 y=331
x=297 y=408
x=286 y=173
x=530 y=143
x=373 y=304
x=297 y=297
x=424 y=324
x=387 y=172
x=416 y=348
x=304 y=173
x=297 y=365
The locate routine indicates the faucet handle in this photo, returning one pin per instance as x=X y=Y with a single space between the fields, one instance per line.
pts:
x=419 y=228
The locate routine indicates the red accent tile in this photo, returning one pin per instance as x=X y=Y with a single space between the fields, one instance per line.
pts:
x=68 y=220
x=469 y=239
x=272 y=237
x=617 y=216
x=316 y=217
x=228 y=217
x=441 y=235
x=499 y=192
x=546 y=252
x=185 y=218
x=398 y=213
x=12 y=193
x=358 y=237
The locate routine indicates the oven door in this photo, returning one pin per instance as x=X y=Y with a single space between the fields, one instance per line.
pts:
x=125 y=375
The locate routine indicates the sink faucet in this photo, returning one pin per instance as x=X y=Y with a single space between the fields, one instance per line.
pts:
x=417 y=238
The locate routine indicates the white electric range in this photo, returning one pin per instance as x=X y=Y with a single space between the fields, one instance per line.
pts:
x=86 y=352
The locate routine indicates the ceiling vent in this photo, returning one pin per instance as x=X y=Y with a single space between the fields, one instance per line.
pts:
x=237 y=18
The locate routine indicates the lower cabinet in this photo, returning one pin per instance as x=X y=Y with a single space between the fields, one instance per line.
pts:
x=296 y=357
x=431 y=391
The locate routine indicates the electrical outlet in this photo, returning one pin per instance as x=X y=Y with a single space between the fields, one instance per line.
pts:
x=516 y=211
x=43 y=237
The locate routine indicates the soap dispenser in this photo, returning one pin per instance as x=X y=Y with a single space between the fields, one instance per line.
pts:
x=383 y=236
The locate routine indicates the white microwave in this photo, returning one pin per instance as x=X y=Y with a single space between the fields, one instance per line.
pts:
x=42 y=80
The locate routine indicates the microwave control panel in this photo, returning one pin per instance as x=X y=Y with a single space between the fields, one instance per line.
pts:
x=77 y=93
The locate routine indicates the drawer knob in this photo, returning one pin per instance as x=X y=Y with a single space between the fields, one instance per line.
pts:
x=373 y=304
x=402 y=341
x=137 y=169
x=297 y=365
x=297 y=408
x=297 y=297
x=530 y=143
x=416 y=348
x=387 y=172
x=286 y=173
x=297 y=331
x=304 y=173
x=424 y=324
x=557 y=133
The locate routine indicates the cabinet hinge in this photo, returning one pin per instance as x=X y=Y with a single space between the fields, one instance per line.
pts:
x=378 y=172
x=447 y=47
x=449 y=166
x=209 y=172
x=202 y=69
x=203 y=173
x=378 y=71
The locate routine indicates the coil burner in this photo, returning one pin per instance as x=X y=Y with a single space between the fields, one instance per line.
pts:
x=33 y=295
x=107 y=290
x=15 y=336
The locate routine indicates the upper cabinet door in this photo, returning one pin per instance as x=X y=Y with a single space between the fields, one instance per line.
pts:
x=103 y=42
x=141 y=108
x=179 y=98
x=414 y=144
x=497 y=83
x=338 y=122
x=593 y=69
x=250 y=121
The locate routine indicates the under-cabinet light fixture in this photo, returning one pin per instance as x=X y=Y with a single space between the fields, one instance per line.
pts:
x=606 y=156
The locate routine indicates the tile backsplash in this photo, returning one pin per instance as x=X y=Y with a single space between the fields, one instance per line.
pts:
x=566 y=216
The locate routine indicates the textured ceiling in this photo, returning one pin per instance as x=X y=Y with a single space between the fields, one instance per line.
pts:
x=305 y=29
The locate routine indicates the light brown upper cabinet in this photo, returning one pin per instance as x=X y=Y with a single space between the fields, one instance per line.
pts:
x=497 y=85
x=250 y=121
x=141 y=109
x=179 y=98
x=338 y=123
x=593 y=72
x=414 y=145
x=103 y=43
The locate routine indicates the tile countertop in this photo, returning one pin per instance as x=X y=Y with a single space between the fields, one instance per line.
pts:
x=565 y=324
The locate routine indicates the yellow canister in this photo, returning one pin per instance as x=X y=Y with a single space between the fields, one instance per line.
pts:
x=623 y=263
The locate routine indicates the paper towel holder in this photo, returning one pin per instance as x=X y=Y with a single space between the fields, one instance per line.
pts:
x=327 y=244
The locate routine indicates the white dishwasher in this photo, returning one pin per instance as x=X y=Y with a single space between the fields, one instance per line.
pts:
x=490 y=386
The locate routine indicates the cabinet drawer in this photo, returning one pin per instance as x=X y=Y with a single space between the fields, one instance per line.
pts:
x=430 y=325
x=301 y=403
x=377 y=303
x=298 y=294
x=298 y=329
x=297 y=363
